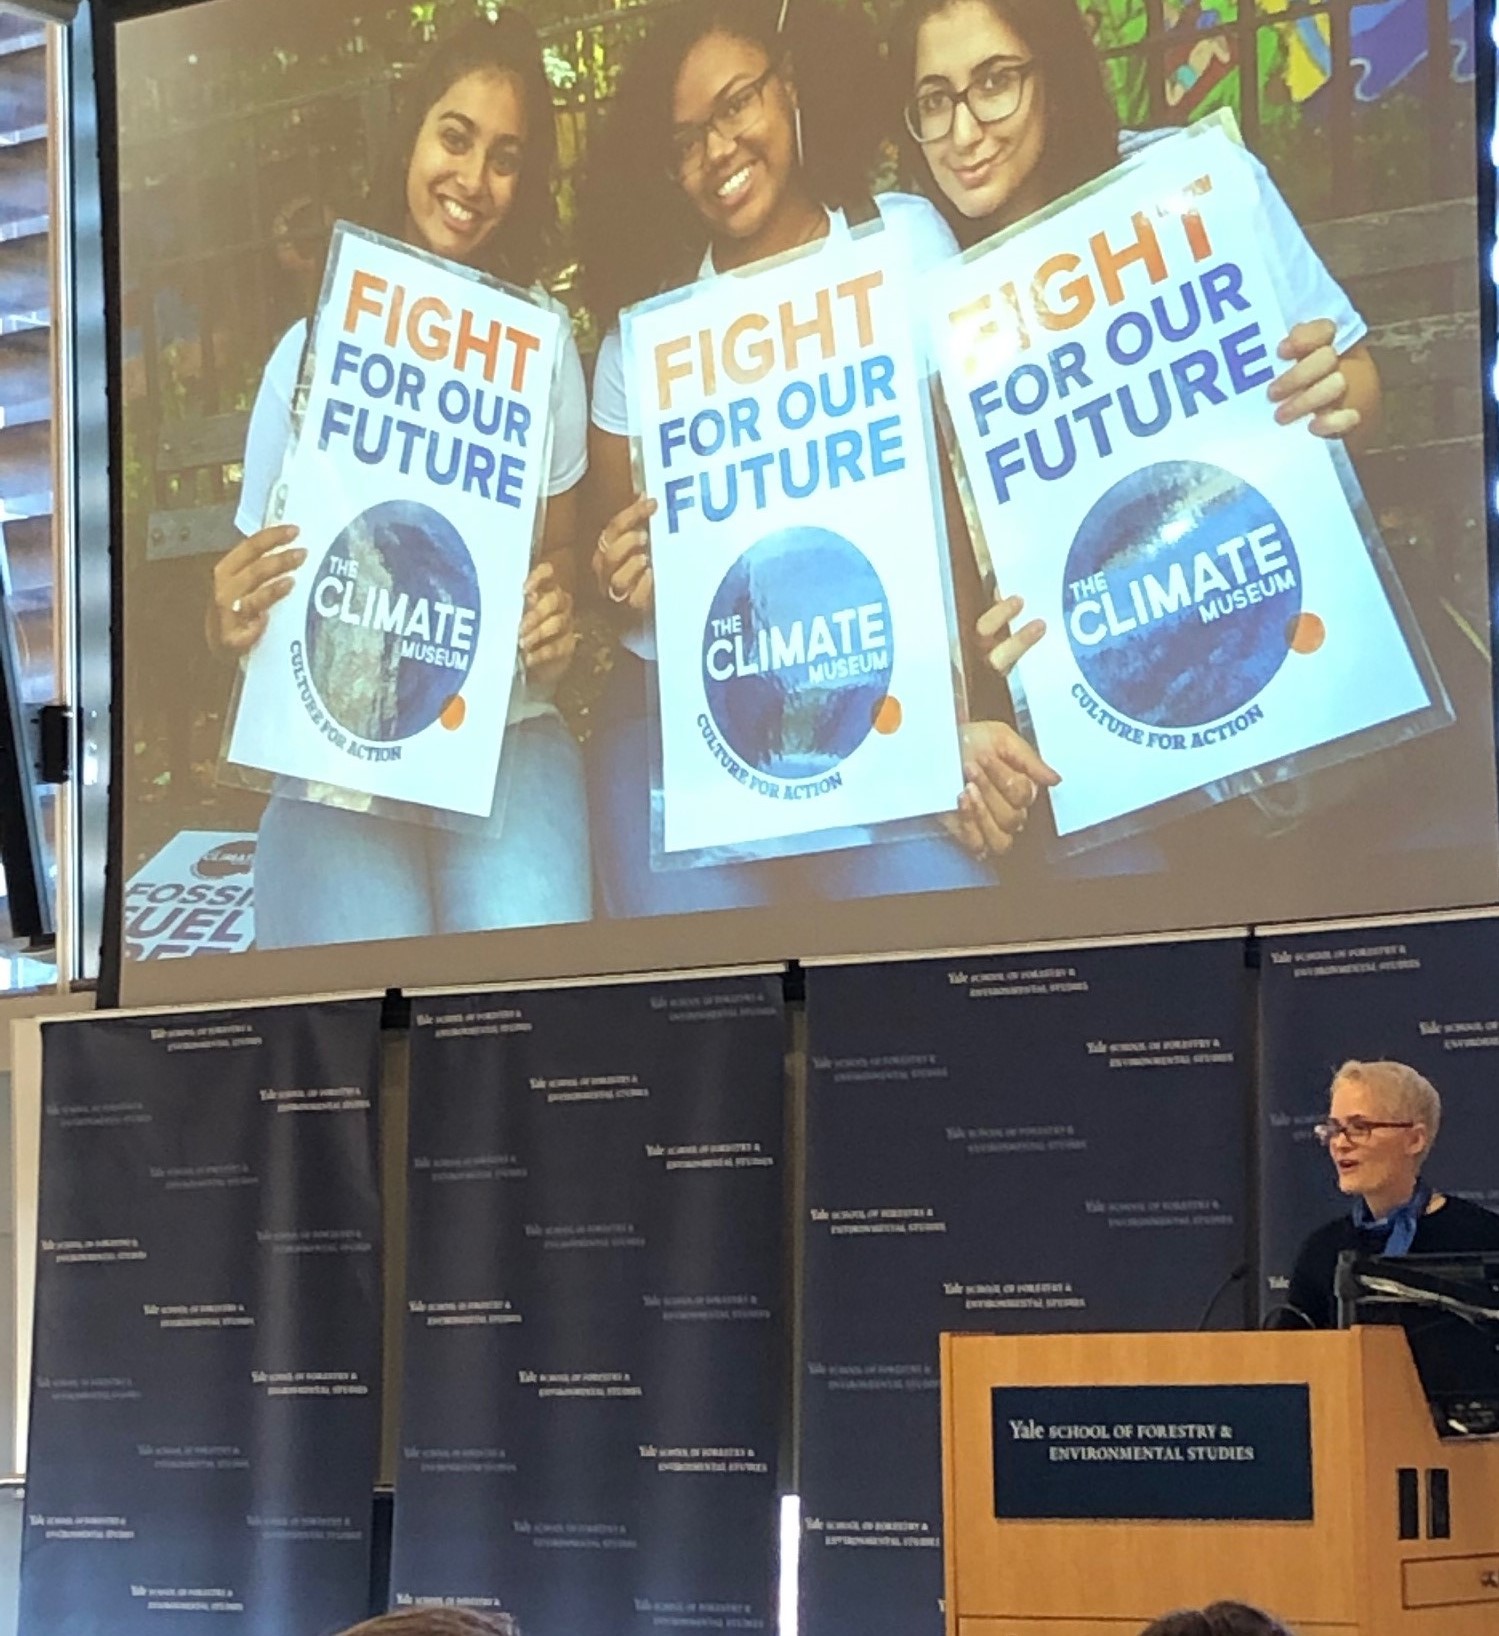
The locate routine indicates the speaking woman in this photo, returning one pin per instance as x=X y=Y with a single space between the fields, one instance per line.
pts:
x=1007 y=112
x=472 y=184
x=743 y=129
x=1382 y=1121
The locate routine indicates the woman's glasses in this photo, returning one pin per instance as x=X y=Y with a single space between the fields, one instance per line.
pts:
x=735 y=116
x=1357 y=1129
x=994 y=93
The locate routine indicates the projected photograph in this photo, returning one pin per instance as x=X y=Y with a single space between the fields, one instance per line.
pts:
x=618 y=487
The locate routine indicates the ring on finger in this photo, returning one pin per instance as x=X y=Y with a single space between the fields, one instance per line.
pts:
x=615 y=597
x=237 y=607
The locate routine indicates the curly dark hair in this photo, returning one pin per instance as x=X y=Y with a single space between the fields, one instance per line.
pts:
x=519 y=248
x=1221 y=1619
x=1082 y=124
x=638 y=234
x=437 y=1622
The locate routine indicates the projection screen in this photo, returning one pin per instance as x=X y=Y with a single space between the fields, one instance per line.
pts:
x=615 y=488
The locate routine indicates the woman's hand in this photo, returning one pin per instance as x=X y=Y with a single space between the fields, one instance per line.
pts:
x=248 y=581
x=548 y=637
x=1320 y=385
x=622 y=558
x=1004 y=777
x=1004 y=646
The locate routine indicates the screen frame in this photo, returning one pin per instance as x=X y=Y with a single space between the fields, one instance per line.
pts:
x=602 y=948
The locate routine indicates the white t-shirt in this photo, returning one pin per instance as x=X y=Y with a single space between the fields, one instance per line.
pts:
x=1306 y=289
x=920 y=234
x=271 y=430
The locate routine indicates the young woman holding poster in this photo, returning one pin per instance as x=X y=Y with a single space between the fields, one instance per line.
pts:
x=1004 y=111
x=472 y=184
x=741 y=130
x=1007 y=112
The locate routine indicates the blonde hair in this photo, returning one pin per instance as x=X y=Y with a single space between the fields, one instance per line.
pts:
x=1410 y=1095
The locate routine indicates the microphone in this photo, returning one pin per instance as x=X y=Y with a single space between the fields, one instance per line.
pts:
x=1237 y=1276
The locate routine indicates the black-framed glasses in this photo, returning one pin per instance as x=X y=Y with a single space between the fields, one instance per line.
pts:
x=734 y=116
x=994 y=93
x=1357 y=1129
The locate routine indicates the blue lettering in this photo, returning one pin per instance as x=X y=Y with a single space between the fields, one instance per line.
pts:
x=886 y=447
x=337 y=418
x=1242 y=352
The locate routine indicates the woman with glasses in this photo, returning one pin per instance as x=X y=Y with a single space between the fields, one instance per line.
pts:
x=1007 y=112
x=743 y=129
x=1381 y=1123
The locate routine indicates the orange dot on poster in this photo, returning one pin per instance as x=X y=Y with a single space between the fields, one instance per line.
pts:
x=453 y=712
x=1305 y=633
x=888 y=715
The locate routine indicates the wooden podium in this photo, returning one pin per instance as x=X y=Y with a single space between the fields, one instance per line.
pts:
x=1397 y=1532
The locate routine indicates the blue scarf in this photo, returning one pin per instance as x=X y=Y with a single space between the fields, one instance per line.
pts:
x=1397 y=1231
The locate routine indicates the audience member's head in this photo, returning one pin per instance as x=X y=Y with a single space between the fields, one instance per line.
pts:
x=437 y=1622
x=1222 y=1619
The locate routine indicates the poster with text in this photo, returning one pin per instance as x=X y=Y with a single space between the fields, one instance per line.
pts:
x=205 y=1421
x=196 y=896
x=782 y=423
x=417 y=480
x=1214 y=602
x=594 y=1364
x=1006 y=1144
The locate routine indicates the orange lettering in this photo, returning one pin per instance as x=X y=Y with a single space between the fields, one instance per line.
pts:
x=667 y=370
x=1197 y=233
x=858 y=290
x=1145 y=250
x=361 y=289
x=757 y=359
x=487 y=346
x=819 y=328
x=434 y=344
x=1077 y=293
x=524 y=346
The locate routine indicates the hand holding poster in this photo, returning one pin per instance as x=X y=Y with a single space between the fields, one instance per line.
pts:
x=416 y=479
x=802 y=628
x=1215 y=605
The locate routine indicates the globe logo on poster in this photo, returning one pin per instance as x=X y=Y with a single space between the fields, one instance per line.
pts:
x=393 y=623
x=1183 y=596
x=798 y=650
x=225 y=861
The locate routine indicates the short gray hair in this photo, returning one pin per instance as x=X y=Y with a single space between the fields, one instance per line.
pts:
x=1411 y=1095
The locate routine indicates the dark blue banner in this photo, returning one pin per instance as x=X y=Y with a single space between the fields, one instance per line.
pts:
x=1422 y=994
x=1007 y=1144
x=205 y=1399
x=1153 y=1453
x=594 y=1366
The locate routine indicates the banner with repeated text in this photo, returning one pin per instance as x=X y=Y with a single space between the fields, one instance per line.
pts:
x=1010 y=1144
x=205 y=1397
x=594 y=1367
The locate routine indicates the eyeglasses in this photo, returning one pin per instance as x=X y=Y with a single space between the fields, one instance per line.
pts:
x=994 y=94
x=1357 y=1130
x=735 y=116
